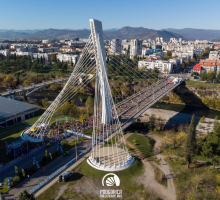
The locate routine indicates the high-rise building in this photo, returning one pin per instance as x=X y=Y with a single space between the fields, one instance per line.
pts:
x=136 y=47
x=116 y=46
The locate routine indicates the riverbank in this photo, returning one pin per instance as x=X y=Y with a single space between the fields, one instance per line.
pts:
x=172 y=117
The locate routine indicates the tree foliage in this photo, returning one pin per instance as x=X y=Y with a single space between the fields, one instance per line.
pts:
x=26 y=196
x=190 y=145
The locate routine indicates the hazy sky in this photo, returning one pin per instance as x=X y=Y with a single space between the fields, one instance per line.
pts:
x=75 y=14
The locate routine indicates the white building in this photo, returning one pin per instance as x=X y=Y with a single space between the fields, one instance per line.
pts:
x=5 y=52
x=163 y=66
x=146 y=51
x=116 y=46
x=42 y=55
x=45 y=41
x=214 y=55
x=20 y=53
x=136 y=47
x=67 y=58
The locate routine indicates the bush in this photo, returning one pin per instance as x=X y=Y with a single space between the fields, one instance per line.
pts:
x=202 y=120
x=200 y=126
x=16 y=179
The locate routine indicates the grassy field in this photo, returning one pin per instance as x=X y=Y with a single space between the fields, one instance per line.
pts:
x=85 y=173
x=12 y=133
x=143 y=143
x=190 y=83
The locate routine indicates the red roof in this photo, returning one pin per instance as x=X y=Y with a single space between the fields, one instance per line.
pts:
x=197 y=67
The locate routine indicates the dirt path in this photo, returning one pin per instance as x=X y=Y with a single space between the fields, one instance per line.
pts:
x=148 y=178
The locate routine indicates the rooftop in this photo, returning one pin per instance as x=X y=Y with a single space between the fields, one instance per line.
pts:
x=11 y=107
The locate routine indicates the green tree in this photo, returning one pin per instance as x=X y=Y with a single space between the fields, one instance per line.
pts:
x=204 y=76
x=211 y=145
x=26 y=196
x=89 y=101
x=202 y=119
x=45 y=102
x=190 y=145
x=210 y=76
x=217 y=77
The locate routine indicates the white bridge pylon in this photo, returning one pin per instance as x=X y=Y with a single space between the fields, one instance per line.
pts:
x=109 y=150
x=97 y=38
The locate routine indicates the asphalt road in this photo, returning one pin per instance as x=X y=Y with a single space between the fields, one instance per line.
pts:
x=28 y=162
x=41 y=175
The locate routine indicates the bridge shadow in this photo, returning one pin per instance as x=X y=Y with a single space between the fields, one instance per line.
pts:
x=193 y=105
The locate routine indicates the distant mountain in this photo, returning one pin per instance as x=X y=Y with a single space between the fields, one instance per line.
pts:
x=111 y=30
x=196 y=34
x=127 y=31
x=123 y=33
x=141 y=33
x=21 y=31
x=216 y=40
x=153 y=35
x=57 y=33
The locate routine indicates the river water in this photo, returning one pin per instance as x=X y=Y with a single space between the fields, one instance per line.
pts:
x=79 y=99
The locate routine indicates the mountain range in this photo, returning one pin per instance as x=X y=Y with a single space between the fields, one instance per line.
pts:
x=123 y=33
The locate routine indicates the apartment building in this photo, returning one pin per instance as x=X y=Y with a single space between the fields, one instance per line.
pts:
x=136 y=47
x=67 y=58
x=163 y=66
x=116 y=46
x=210 y=65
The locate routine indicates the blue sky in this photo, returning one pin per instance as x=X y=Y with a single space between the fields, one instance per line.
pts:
x=75 y=14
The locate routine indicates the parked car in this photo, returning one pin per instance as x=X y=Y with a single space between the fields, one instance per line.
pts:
x=66 y=175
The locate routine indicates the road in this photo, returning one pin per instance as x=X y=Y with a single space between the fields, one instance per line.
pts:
x=33 y=87
x=39 y=176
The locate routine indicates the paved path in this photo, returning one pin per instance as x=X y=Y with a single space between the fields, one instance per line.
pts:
x=166 y=193
x=164 y=167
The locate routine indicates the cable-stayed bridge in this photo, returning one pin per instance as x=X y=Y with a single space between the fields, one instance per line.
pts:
x=113 y=75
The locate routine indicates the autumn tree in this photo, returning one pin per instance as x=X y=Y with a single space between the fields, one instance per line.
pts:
x=190 y=145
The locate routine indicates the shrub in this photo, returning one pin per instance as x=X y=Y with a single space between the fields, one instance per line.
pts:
x=202 y=120
x=200 y=126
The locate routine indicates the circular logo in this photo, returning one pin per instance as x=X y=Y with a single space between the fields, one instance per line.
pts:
x=110 y=179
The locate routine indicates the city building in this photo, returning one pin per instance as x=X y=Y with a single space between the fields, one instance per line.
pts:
x=214 y=55
x=46 y=56
x=116 y=46
x=135 y=48
x=68 y=58
x=46 y=50
x=209 y=65
x=146 y=51
x=13 y=111
x=45 y=41
x=20 y=53
x=197 y=68
x=162 y=66
x=5 y=52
